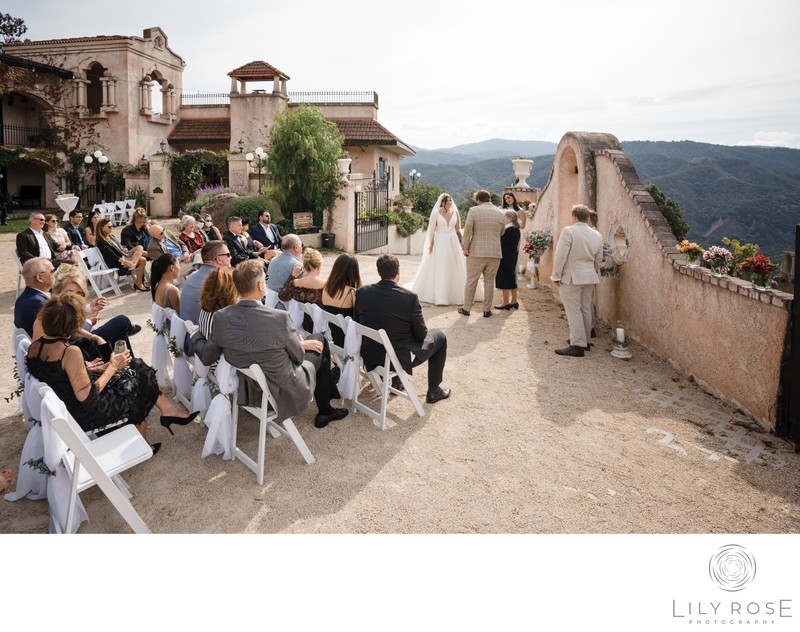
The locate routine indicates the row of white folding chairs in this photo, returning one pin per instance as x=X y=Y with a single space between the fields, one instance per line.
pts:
x=380 y=377
x=118 y=212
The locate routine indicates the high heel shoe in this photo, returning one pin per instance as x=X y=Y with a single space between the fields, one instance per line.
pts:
x=155 y=447
x=144 y=288
x=513 y=306
x=503 y=306
x=178 y=421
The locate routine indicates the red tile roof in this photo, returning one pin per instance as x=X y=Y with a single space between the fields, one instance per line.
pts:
x=257 y=71
x=71 y=40
x=357 y=131
x=217 y=130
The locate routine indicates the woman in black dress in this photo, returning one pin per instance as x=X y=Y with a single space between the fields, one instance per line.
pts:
x=506 y=278
x=339 y=293
x=124 y=388
x=118 y=256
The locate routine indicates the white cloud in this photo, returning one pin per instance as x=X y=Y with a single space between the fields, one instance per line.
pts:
x=773 y=139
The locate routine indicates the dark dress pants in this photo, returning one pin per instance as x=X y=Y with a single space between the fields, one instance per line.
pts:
x=434 y=351
x=326 y=388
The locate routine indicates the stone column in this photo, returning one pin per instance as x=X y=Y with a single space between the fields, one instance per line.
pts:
x=104 y=86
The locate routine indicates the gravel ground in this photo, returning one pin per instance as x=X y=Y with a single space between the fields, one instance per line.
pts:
x=529 y=442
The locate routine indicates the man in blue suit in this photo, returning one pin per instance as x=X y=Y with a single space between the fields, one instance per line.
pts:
x=74 y=230
x=266 y=232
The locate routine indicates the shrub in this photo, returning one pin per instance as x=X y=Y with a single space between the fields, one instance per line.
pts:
x=671 y=211
x=250 y=207
x=407 y=223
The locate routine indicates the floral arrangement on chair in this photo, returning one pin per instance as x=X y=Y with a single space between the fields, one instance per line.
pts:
x=537 y=243
x=718 y=259
x=760 y=269
x=691 y=251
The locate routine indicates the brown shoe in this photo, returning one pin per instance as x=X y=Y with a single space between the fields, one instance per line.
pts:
x=586 y=348
x=463 y=311
x=572 y=350
x=487 y=314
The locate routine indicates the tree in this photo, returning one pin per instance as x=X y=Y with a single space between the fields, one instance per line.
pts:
x=11 y=28
x=671 y=211
x=303 y=149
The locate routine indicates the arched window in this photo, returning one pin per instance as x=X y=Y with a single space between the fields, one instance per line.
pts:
x=94 y=89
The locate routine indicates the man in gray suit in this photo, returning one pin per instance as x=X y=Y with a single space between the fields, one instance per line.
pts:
x=577 y=259
x=482 y=231
x=249 y=332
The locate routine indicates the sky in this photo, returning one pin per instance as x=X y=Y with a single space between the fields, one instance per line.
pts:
x=449 y=73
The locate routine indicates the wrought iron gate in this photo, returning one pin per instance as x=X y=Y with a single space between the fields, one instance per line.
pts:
x=372 y=215
x=789 y=412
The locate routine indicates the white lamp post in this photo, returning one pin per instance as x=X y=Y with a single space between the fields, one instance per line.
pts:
x=101 y=159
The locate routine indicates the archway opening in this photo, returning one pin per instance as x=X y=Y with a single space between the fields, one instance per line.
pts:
x=94 y=90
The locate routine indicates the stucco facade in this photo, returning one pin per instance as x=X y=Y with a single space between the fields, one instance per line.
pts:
x=720 y=330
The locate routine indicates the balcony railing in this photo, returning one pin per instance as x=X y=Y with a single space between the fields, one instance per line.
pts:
x=25 y=136
x=206 y=98
x=367 y=97
x=335 y=98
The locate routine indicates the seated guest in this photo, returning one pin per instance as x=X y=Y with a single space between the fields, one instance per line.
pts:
x=65 y=250
x=215 y=254
x=39 y=278
x=280 y=268
x=266 y=232
x=75 y=230
x=211 y=230
x=249 y=332
x=339 y=293
x=107 y=393
x=117 y=256
x=305 y=284
x=35 y=241
x=237 y=242
x=93 y=337
x=164 y=271
x=91 y=227
x=136 y=233
x=189 y=236
x=164 y=242
x=200 y=227
x=218 y=292
x=386 y=305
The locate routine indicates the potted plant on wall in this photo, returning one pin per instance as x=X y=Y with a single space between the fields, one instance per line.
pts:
x=302 y=163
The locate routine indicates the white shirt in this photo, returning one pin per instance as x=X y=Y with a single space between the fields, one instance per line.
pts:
x=44 y=249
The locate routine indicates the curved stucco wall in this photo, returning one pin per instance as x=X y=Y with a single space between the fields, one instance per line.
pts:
x=720 y=330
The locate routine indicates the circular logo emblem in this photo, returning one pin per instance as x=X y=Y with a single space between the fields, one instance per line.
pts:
x=732 y=568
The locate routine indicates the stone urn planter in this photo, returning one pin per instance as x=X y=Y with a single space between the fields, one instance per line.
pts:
x=343 y=165
x=522 y=169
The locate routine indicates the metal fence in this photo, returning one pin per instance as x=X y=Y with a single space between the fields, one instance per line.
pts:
x=335 y=98
x=206 y=98
x=372 y=215
x=25 y=136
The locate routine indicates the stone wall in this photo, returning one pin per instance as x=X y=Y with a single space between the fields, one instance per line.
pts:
x=721 y=331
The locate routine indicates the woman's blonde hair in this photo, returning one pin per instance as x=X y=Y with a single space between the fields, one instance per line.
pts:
x=65 y=275
x=312 y=259
x=62 y=316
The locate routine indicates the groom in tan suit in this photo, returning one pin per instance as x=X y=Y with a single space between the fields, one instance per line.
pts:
x=482 y=231
x=577 y=259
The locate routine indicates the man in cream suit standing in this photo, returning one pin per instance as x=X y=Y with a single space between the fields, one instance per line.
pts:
x=482 y=231
x=577 y=259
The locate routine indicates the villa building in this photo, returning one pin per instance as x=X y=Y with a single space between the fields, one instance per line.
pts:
x=123 y=96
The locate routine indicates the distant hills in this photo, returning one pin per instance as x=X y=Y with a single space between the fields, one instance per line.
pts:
x=748 y=193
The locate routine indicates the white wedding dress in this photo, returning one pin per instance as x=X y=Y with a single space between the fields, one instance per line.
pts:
x=442 y=273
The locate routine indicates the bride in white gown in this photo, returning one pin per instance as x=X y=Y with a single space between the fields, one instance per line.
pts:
x=442 y=270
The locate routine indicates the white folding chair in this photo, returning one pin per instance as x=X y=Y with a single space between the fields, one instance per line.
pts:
x=267 y=421
x=182 y=367
x=20 y=343
x=108 y=211
x=100 y=277
x=97 y=462
x=381 y=377
x=121 y=212
x=160 y=358
x=337 y=352
x=19 y=268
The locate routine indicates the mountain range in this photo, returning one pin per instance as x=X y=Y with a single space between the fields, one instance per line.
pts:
x=749 y=193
